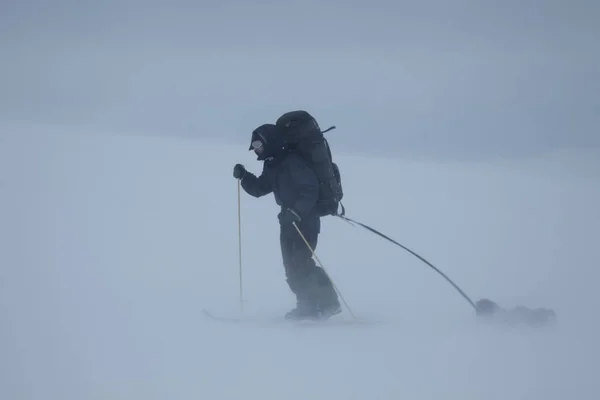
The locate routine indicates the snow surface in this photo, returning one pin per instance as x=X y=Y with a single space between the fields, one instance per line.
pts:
x=112 y=245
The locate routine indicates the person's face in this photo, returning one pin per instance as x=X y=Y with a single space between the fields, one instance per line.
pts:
x=258 y=147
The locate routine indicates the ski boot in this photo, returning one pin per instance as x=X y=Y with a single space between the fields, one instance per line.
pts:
x=302 y=311
x=329 y=311
x=327 y=301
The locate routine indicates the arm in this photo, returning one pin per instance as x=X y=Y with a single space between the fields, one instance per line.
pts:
x=306 y=186
x=256 y=186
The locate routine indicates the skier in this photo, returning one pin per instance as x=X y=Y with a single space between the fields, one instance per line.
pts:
x=295 y=188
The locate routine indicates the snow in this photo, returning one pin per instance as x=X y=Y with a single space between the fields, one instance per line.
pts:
x=113 y=244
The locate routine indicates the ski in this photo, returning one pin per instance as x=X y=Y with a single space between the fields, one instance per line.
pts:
x=220 y=318
x=333 y=321
x=240 y=319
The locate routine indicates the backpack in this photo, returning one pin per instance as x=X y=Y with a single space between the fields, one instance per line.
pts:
x=303 y=135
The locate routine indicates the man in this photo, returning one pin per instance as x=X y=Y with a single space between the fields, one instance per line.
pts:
x=295 y=188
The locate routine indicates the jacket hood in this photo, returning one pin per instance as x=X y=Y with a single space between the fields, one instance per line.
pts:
x=271 y=141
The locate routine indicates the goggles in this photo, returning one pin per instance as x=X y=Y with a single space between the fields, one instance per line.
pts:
x=257 y=146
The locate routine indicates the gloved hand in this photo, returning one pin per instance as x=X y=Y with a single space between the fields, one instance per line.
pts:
x=239 y=171
x=288 y=216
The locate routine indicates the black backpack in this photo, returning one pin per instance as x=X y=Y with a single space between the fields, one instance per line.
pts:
x=303 y=135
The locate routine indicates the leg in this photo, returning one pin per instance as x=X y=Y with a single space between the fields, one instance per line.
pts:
x=313 y=288
x=287 y=253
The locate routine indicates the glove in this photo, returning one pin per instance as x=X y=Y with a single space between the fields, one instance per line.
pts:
x=239 y=171
x=288 y=216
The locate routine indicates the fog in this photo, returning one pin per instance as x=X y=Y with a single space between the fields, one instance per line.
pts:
x=113 y=244
x=458 y=79
x=466 y=131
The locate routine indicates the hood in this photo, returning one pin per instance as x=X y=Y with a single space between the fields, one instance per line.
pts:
x=267 y=141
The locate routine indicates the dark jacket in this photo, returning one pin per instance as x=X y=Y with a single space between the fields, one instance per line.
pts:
x=291 y=181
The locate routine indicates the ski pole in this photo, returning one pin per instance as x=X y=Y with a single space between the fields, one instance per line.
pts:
x=321 y=264
x=240 y=245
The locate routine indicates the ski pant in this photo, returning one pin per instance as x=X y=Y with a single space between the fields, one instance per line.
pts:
x=306 y=279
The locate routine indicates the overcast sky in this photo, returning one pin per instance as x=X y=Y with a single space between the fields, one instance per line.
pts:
x=458 y=78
